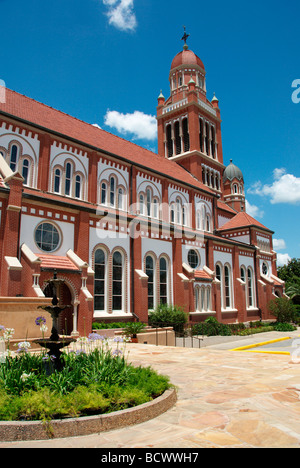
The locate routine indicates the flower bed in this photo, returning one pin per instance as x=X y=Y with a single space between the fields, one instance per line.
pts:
x=96 y=379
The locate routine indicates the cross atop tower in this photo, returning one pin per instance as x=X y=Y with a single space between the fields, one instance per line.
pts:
x=184 y=38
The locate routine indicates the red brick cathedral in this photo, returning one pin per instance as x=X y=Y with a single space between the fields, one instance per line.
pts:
x=124 y=228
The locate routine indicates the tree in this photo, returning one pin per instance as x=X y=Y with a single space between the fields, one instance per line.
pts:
x=288 y=272
x=293 y=290
x=283 y=309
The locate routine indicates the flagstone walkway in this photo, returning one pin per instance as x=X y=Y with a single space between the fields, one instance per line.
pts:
x=225 y=399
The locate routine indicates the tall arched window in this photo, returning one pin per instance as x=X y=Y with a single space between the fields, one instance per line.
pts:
x=250 y=288
x=117 y=281
x=243 y=274
x=78 y=186
x=103 y=193
x=141 y=203
x=14 y=153
x=149 y=199
x=120 y=199
x=163 y=281
x=25 y=171
x=68 y=179
x=227 y=285
x=150 y=272
x=100 y=280
x=112 y=191
x=57 y=180
x=155 y=208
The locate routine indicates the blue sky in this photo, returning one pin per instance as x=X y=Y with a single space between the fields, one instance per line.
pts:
x=105 y=62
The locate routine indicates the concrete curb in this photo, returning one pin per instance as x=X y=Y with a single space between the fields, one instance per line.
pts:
x=58 y=429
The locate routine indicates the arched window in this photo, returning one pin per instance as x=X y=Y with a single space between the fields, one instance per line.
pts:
x=141 y=204
x=178 y=210
x=163 y=281
x=117 y=281
x=184 y=218
x=227 y=285
x=250 y=288
x=112 y=191
x=100 y=280
x=243 y=274
x=208 y=223
x=208 y=299
x=103 y=193
x=78 y=186
x=57 y=180
x=155 y=208
x=186 y=136
x=120 y=199
x=25 y=171
x=68 y=179
x=172 y=213
x=202 y=299
x=149 y=199
x=169 y=141
x=14 y=154
x=150 y=272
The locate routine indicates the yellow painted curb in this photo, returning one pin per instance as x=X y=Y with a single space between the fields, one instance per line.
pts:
x=256 y=345
x=285 y=353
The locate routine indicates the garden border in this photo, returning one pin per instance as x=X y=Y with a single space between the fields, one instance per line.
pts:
x=12 y=431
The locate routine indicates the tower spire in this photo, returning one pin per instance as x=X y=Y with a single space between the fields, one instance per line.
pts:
x=184 y=38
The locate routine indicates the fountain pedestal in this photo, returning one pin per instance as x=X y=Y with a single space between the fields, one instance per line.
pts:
x=55 y=344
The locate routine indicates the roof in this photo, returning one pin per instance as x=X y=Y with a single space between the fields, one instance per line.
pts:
x=232 y=172
x=223 y=206
x=186 y=57
x=55 y=262
x=240 y=220
x=202 y=275
x=41 y=115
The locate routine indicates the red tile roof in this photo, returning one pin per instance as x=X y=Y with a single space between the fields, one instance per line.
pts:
x=222 y=206
x=44 y=116
x=57 y=262
x=242 y=220
x=201 y=274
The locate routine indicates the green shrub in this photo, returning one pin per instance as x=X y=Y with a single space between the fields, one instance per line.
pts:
x=283 y=309
x=168 y=316
x=211 y=327
x=107 y=326
x=284 y=327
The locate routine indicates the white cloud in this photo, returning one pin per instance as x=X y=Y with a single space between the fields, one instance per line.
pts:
x=284 y=189
x=121 y=14
x=254 y=210
x=140 y=125
x=283 y=259
x=279 y=244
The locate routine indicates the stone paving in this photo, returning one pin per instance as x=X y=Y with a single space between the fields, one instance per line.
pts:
x=226 y=399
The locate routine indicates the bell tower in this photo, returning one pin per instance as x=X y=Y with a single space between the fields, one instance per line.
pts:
x=189 y=125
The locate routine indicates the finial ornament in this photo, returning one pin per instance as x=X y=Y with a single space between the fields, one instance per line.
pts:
x=184 y=38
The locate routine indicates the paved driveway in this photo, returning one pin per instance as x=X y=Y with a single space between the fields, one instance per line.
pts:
x=225 y=399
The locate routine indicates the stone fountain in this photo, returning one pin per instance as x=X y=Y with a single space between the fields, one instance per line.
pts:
x=55 y=344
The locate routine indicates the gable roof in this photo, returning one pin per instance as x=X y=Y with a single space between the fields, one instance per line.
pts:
x=43 y=116
x=241 y=220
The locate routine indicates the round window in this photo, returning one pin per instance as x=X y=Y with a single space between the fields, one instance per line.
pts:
x=47 y=237
x=264 y=269
x=193 y=259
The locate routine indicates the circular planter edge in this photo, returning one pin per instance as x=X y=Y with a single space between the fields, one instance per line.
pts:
x=12 y=431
